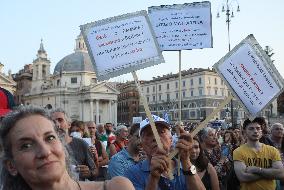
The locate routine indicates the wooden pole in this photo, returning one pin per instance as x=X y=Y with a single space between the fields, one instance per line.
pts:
x=152 y=123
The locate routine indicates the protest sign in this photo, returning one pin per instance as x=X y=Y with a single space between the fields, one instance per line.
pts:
x=182 y=26
x=136 y=119
x=121 y=44
x=250 y=75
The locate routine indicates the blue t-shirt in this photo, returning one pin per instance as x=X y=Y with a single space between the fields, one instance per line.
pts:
x=139 y=173
x=119 y=163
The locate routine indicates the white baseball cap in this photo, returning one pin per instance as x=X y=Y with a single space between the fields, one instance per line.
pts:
x=156 y=119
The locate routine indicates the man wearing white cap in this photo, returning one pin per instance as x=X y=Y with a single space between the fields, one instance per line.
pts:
x=153 y=173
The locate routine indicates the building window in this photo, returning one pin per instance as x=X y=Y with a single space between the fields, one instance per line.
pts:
x=209 y=80
x=200 y=92
x=58 y=82
x=168 y=97
x=160 y=97
x=216 y=92
x=147 y=89
x=191 y=93
x=216 y=81
x=222 y=91
x=153 y=88
x=147 y=98
x=168 y=86
x=154 y=98
x=183 y=83
x=183 y=94
x=160 y=87
x=176 y=84
x=74 y=80
x=176 y=95
x=192 y=114
x=222 y=82
x=199 y=80
x=191 y=81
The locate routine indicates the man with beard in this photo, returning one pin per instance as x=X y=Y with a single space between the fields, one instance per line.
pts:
x=78 y=148
x=110 y=137
x=153 y=172
x=128 y=156
x=256 y=164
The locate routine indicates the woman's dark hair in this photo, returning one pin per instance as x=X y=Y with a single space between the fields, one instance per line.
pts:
x=201 y=161
x=134 y=128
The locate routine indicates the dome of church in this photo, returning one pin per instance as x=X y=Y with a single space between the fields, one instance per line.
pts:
x=78 y=61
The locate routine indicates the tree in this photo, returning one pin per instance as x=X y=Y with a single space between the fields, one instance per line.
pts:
x=268 y=50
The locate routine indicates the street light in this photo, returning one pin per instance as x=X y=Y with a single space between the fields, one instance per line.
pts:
x=228 y=9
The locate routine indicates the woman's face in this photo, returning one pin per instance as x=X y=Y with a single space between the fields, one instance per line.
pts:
x=38 y=155
x=123 y=133
x=211 y=138
x=227 y=137
x=194 y=152
x=77 y=129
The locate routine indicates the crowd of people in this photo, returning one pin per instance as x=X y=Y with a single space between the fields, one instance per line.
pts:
x=44 y=149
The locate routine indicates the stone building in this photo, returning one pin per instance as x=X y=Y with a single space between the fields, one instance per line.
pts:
x=6 y=81
x=128 y=102
x=202 y=90
x=24 y=83
x=72 y=86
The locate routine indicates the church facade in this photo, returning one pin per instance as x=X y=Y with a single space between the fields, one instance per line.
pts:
x=72 y=86
x=6 y=81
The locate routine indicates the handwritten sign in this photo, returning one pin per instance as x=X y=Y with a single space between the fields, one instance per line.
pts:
x=136 y=119
x=121 y=44
x=182 y=26
x=251 y=75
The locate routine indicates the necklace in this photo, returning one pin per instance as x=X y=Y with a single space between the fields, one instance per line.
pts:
x=78 y=185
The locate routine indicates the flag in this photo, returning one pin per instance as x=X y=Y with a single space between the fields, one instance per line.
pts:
x=166 y=117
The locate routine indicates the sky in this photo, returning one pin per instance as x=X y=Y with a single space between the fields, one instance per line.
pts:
x=24 y=23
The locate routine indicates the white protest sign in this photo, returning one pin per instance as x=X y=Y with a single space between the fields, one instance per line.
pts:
x=250 y=75
x=136 y=119
x=182 y=26
x=121 y=44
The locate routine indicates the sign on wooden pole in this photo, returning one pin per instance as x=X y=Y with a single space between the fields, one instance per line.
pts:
x=250 y=75
x=121 y=44
x=182 y=26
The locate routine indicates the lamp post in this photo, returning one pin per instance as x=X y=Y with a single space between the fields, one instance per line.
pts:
x=228 y=9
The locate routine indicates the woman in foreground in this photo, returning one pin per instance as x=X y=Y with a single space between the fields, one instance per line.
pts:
x=33 y=156
x=205 y=170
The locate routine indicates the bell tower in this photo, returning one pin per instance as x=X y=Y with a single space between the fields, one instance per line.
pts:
x=41 y=69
